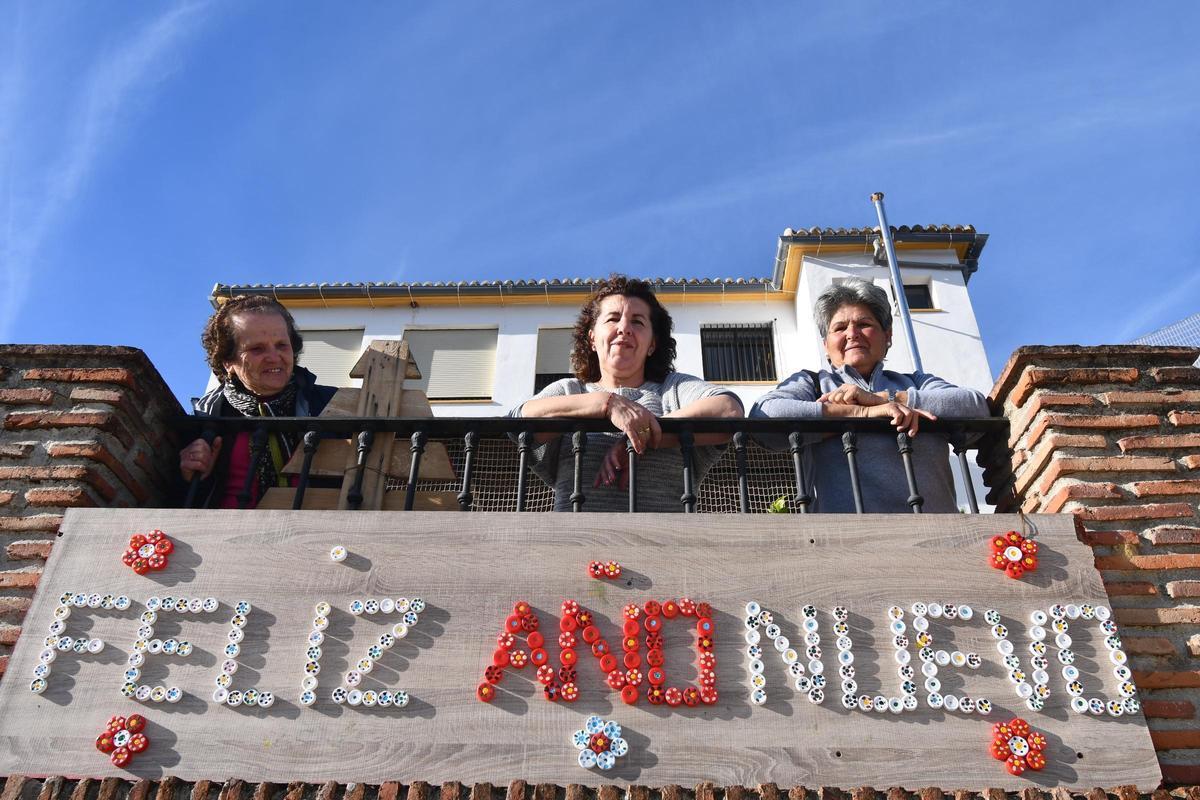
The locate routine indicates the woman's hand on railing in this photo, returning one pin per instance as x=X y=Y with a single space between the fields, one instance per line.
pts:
x=851 y=395
x=614 y=468
x=198 y=458
x=633 y=420
x=636 y=422
x=904 y=418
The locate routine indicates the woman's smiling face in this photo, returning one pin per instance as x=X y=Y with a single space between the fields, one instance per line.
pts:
x=623 y=339
x=856 y=338
x=263 y=358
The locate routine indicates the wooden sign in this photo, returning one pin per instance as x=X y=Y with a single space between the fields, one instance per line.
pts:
x=470 y=570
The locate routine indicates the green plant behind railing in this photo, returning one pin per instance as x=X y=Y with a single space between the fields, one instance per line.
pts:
x=780 y=506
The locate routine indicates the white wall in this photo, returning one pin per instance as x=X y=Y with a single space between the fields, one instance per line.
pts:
x=949 y=337
x=516 y=344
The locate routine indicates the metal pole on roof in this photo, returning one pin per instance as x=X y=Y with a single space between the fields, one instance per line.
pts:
x=897 y=283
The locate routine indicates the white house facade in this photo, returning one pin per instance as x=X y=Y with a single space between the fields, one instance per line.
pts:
x=483 y=347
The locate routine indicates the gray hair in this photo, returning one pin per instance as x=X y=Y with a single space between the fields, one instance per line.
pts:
x=853 y=292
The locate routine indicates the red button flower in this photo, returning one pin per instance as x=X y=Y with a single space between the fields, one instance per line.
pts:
x=1013 y=553
x=123 y=738
x=601 y=570
x=147 y=551
x=1018 y=746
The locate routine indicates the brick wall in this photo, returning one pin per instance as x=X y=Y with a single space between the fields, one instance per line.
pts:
x=80 y=426
x=18 y=787
x=1112 y=435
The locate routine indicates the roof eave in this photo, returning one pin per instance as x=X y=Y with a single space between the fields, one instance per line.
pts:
x=465 y=289
x=969 y=264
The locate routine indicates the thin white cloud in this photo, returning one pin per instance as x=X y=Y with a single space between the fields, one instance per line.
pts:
x=1153 y=314
x=11 y=80
x=37 y=194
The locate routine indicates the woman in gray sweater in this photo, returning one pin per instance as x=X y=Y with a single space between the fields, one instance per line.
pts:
x=855 y=321
x=624 y=363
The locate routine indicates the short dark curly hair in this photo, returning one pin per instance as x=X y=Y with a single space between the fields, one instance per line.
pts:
x=584 y=360
x=218 y=341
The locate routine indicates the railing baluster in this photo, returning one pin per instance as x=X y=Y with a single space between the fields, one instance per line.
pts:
x=958 y=443
x=523 y=444
x=850 y=448
x=739 y=447
x=796 y=448
x=354 y=497
x=904 y=443
x=632 y=474
x=258 y=445
x=414 y=469
x=208 y=435
x=687 y=446
x=464 y=497
x=578 y=446
x=961 y=434
x=311 y=438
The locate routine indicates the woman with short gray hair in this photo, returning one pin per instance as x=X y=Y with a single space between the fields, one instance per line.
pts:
x=855 y=322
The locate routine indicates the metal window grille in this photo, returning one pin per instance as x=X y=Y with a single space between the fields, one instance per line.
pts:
x=738 y=352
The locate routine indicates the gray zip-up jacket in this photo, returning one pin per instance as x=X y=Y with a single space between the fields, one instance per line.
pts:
x=881 y=472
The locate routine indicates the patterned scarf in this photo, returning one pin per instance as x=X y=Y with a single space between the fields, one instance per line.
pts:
x=279 y=445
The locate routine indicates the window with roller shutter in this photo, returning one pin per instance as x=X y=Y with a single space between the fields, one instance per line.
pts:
x=553 y=356
x=455 y=364
x=331 y=354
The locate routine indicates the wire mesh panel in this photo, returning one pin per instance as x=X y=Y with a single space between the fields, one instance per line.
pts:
x=494 y=479
x=770 y=477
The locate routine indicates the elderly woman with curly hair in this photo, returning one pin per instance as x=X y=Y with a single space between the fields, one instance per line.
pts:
x=252 y=344
x=855 y=321
x=623 y=359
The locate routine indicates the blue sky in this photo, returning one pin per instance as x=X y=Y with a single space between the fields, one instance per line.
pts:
x=150 y=150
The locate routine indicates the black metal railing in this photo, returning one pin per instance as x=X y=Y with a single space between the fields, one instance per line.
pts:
x=963 y=435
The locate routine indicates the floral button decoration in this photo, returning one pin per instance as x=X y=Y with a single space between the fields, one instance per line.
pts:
x=1019 y=746
x=601 y=570
x=123 y=738
x=1014 y=553
x=147 y=552
x=599 y=743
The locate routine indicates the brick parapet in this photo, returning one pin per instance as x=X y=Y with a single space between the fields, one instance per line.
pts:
x=80 y=426
x=170 y=788
x=1112 y=435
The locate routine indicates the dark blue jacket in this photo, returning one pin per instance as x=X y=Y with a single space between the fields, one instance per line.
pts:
x=311 y=399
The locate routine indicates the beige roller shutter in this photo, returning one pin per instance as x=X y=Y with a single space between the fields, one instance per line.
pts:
x=330 y=354
x=554 y=350
x=454 y=364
